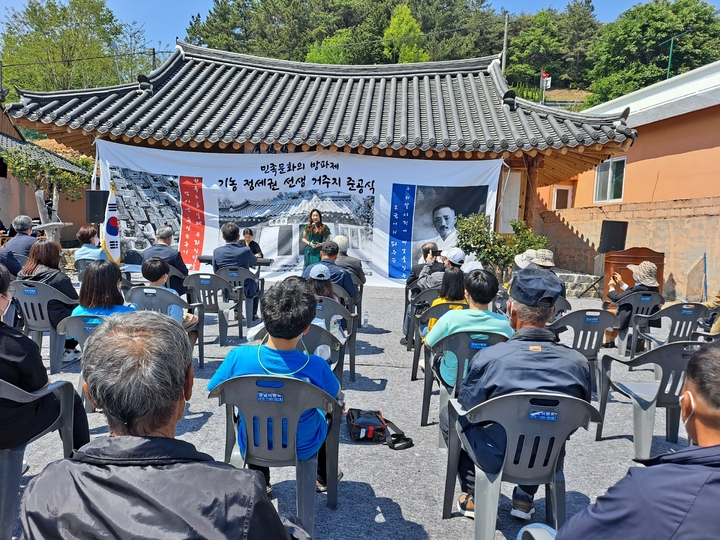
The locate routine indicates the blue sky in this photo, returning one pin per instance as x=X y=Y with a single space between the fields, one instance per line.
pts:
x=165 y=19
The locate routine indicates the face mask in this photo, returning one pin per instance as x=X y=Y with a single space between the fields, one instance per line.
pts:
x=692 y=406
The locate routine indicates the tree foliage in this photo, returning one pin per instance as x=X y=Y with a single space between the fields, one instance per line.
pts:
x=630 y=54
x=48 y=37
x=403 y=37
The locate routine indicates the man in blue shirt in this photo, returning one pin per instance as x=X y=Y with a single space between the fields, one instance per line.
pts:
x=288 y=309
x=340 y=276
x=23 y=240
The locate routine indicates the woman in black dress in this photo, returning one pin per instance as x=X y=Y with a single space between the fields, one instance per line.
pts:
x=252 y=244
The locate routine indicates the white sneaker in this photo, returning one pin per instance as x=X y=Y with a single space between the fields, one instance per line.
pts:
x=71 y=355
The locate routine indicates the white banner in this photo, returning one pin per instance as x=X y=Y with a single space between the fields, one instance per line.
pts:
x=387 y=207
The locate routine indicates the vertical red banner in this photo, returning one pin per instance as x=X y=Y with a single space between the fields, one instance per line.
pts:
x=193 y=220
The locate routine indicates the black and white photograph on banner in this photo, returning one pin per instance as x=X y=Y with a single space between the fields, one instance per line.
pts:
x=436 y=212
x=278 y=223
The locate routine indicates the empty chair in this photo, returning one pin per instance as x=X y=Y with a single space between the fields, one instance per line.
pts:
x=672 y=360
x=683 y=322
x=236 y=276
x=420 y=321
x=80 y=327
x=643 y=303
x=273 y=405
x=327 y=309
x=537 y=426
x=464 y=345
x=588 y=326
x=208 y=289
x=11 y=460
x=80 y=264
x=417 y=304
x=33 y=298
x=160 y=299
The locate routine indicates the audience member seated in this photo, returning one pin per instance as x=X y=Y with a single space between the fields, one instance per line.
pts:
x=21 y=365
x=351 y=264
x=328 y=255
x=452 y=289
x=288 y=309
x=7 y=259
x=23 y=240
x=156 y=270
x=674 y=495
x=43 y=266
x=90 y=248
x=430 y=279
x=321 y=286
x=645 y=281
x=141 y=482
x=233 y=254
x=713 y=304
x=530 y=361
x=480 y=288
x=545 y=260
x=430 y=257
x=252 y=244
x=173 y=257
x=100 y=290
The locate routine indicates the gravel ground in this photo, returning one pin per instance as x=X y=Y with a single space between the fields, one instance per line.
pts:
x=386 y=493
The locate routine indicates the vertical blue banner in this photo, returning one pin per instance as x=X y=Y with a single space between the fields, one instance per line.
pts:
x=401 y=226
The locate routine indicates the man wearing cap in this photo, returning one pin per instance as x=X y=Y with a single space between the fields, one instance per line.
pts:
x=339 y=276
x=529 y=361
x=429 y=279
x=545 y=260
x=429 y=258
x=173 y=257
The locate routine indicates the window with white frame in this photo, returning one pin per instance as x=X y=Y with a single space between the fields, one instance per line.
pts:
x=562 y=197
x=610 y=180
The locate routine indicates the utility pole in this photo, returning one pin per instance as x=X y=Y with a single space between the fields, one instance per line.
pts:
x=113 y=46
x=505 y=43
x=672 y=42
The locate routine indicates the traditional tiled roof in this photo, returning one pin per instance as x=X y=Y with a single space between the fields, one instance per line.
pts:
x=7 y=143
x=215 y=98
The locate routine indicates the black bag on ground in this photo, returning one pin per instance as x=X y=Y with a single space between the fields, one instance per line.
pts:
x=367 y=425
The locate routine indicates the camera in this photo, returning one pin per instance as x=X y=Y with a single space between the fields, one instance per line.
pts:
x=436 y=252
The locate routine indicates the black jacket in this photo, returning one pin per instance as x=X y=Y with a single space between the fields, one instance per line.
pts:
x=57 y=311
x=7 y=258
x=154 y=487
x=625 y=310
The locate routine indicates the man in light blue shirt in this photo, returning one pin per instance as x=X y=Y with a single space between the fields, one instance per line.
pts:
x=481 y=287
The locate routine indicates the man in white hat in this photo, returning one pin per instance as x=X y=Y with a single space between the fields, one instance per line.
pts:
x=545 y=260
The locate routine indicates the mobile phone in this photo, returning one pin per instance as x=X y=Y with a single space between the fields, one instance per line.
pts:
x=436 y=252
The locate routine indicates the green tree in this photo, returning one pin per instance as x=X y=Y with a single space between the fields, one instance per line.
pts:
x=42 y=42
x=578 y=27
x=34 y=168
x=228 y=26
x=403 y=38
x=628 y=54
x=537 y=47
x=333 y=50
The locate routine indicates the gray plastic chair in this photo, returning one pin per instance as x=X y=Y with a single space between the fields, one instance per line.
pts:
x=672 y=361
x=315 y=337
x=22 y=259
x=465 y=345
x=11 y=460
x=642 y=303
x=81 y=264
x=683 y=322
x=589 y=327
x=536 y=531
x=562 y=307
x=208 y=289
x=537 y=426
x=344 y=297
x=236 y=276
x=33 y=298
x=80 y=327
x=275 y=405
x=420 y=321
x=160 y=299
x=428 y=296
x=356 y=301
x=326 y=309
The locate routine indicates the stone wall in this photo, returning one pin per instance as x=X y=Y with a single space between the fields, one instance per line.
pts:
x=683 y=229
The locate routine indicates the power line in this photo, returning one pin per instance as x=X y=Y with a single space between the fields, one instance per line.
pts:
x=149 y=53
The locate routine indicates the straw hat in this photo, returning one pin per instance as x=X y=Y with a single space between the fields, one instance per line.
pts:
x=525 y=258
x=544 y=257
x=645 y=273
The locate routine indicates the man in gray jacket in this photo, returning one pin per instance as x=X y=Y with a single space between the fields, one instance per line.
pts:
x=141 y=482
x=351 y=264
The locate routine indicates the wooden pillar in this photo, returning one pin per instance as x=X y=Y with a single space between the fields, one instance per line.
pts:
x=531 y=166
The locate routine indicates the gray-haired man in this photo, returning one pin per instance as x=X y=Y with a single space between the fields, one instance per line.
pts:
x=162 y=249
x=23 y=240
x=141 y=482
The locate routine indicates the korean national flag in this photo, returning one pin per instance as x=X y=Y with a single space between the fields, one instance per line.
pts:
x=111 y=229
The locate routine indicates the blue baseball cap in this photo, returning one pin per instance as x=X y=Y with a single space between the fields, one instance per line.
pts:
x=535 y=287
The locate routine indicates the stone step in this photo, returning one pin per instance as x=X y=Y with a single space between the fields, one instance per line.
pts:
x=577 y=283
